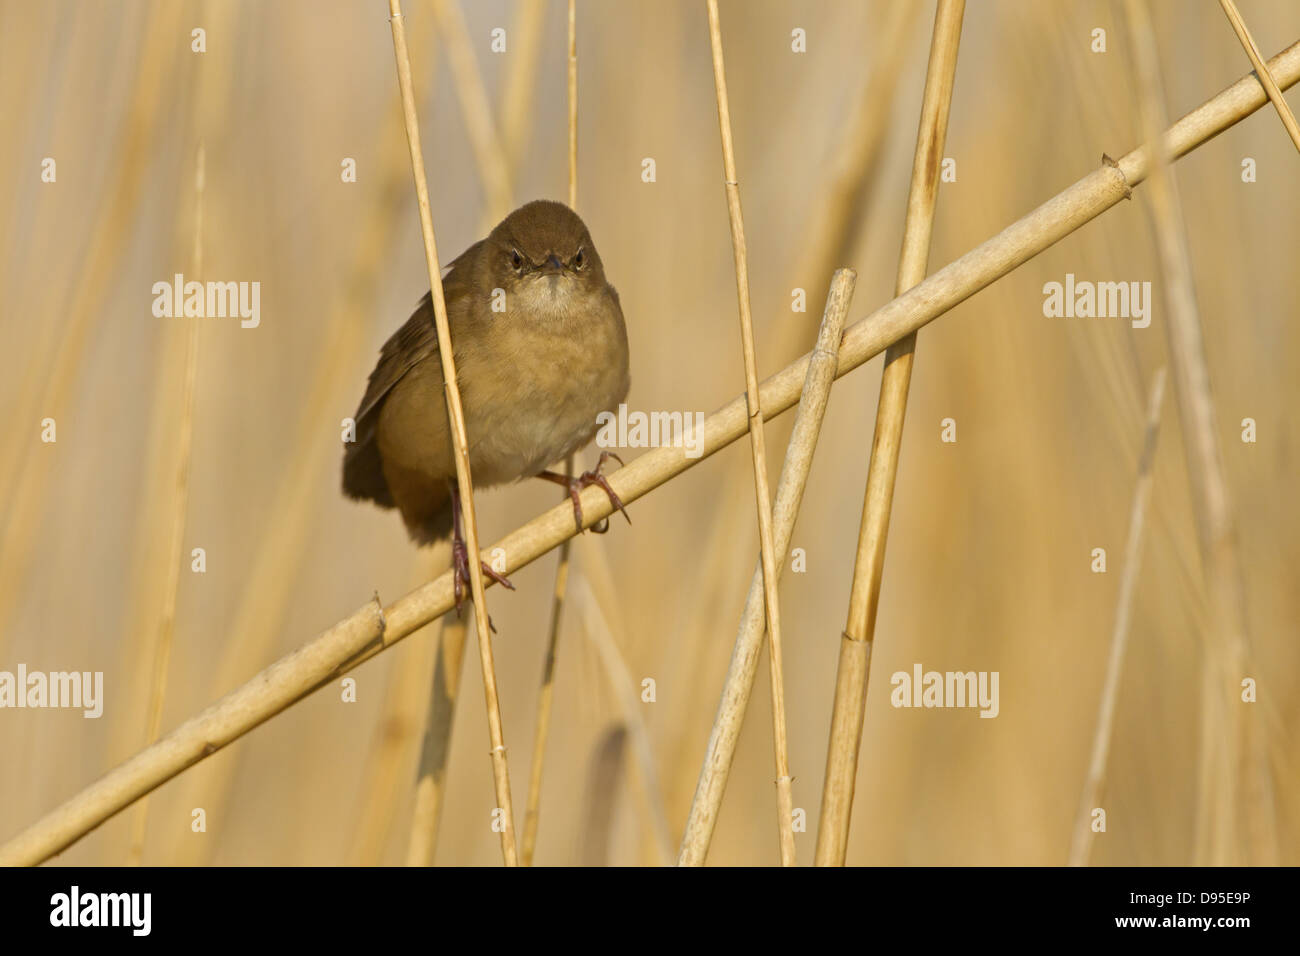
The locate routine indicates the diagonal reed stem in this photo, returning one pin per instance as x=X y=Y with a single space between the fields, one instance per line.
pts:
x=1261 y=71
x=371 y=630
x=460 y=442
x=749 y=635
x=758 y=453
x=868 y=566
x=1081 y=843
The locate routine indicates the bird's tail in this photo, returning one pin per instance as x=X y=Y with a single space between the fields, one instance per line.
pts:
x=363 y=472
x=428 y=515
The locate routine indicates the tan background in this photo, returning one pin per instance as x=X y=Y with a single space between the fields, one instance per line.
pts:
x=988 y=565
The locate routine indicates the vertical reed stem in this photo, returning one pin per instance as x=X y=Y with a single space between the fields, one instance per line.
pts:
x=712 y=783
x=460 y=443
x=758 y=453
x=864 y=600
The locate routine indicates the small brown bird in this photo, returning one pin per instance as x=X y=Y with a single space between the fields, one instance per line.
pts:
x=540 y=349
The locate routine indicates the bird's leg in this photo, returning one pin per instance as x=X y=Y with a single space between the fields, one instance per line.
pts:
x=460 y=556
x=586 y=480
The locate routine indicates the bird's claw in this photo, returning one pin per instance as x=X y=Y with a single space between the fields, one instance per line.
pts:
x=461 y=578
x=594 y=477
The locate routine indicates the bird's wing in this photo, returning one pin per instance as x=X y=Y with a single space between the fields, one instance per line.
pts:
x=417 y=339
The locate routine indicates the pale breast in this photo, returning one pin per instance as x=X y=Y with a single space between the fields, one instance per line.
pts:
x=535 y=391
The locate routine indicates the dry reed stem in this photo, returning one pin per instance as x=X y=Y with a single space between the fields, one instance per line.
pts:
x=1234 y=756
x=1261 y=71
x=542 y=725
x=868 y=566
x=734 y=701
x=460 y=442
x=757 y=449
x=518 y=96
x=1081 y=844
x=357 y=638
x=180 y=506
x=289 y=679
x=431 y=784
x=476 y=112
x=825 y=237
x=625 y=689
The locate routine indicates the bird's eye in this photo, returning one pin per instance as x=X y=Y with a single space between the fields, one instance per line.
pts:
x=516 y=259
x=579 y=260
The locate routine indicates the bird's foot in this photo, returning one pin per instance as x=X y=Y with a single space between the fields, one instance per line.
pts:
x=461 y=578
x=585 y=480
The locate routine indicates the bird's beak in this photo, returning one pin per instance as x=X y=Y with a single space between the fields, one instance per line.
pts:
x=553 y=264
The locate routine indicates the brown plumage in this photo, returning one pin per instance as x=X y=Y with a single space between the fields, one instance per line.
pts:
x=534 y=373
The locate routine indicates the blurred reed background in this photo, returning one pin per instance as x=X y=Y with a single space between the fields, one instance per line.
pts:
x=989 y=558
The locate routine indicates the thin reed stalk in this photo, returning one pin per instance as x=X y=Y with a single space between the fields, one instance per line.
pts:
x=162 y=652
x=1235 y=777
x=460 y=442
x=364 y=634
x=864 y=598
x=825 y=238
x=739 y=684
x=545 y=696
x=431 y=784
x=1081 y=843
x=1261 y=71
x=757 y=450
